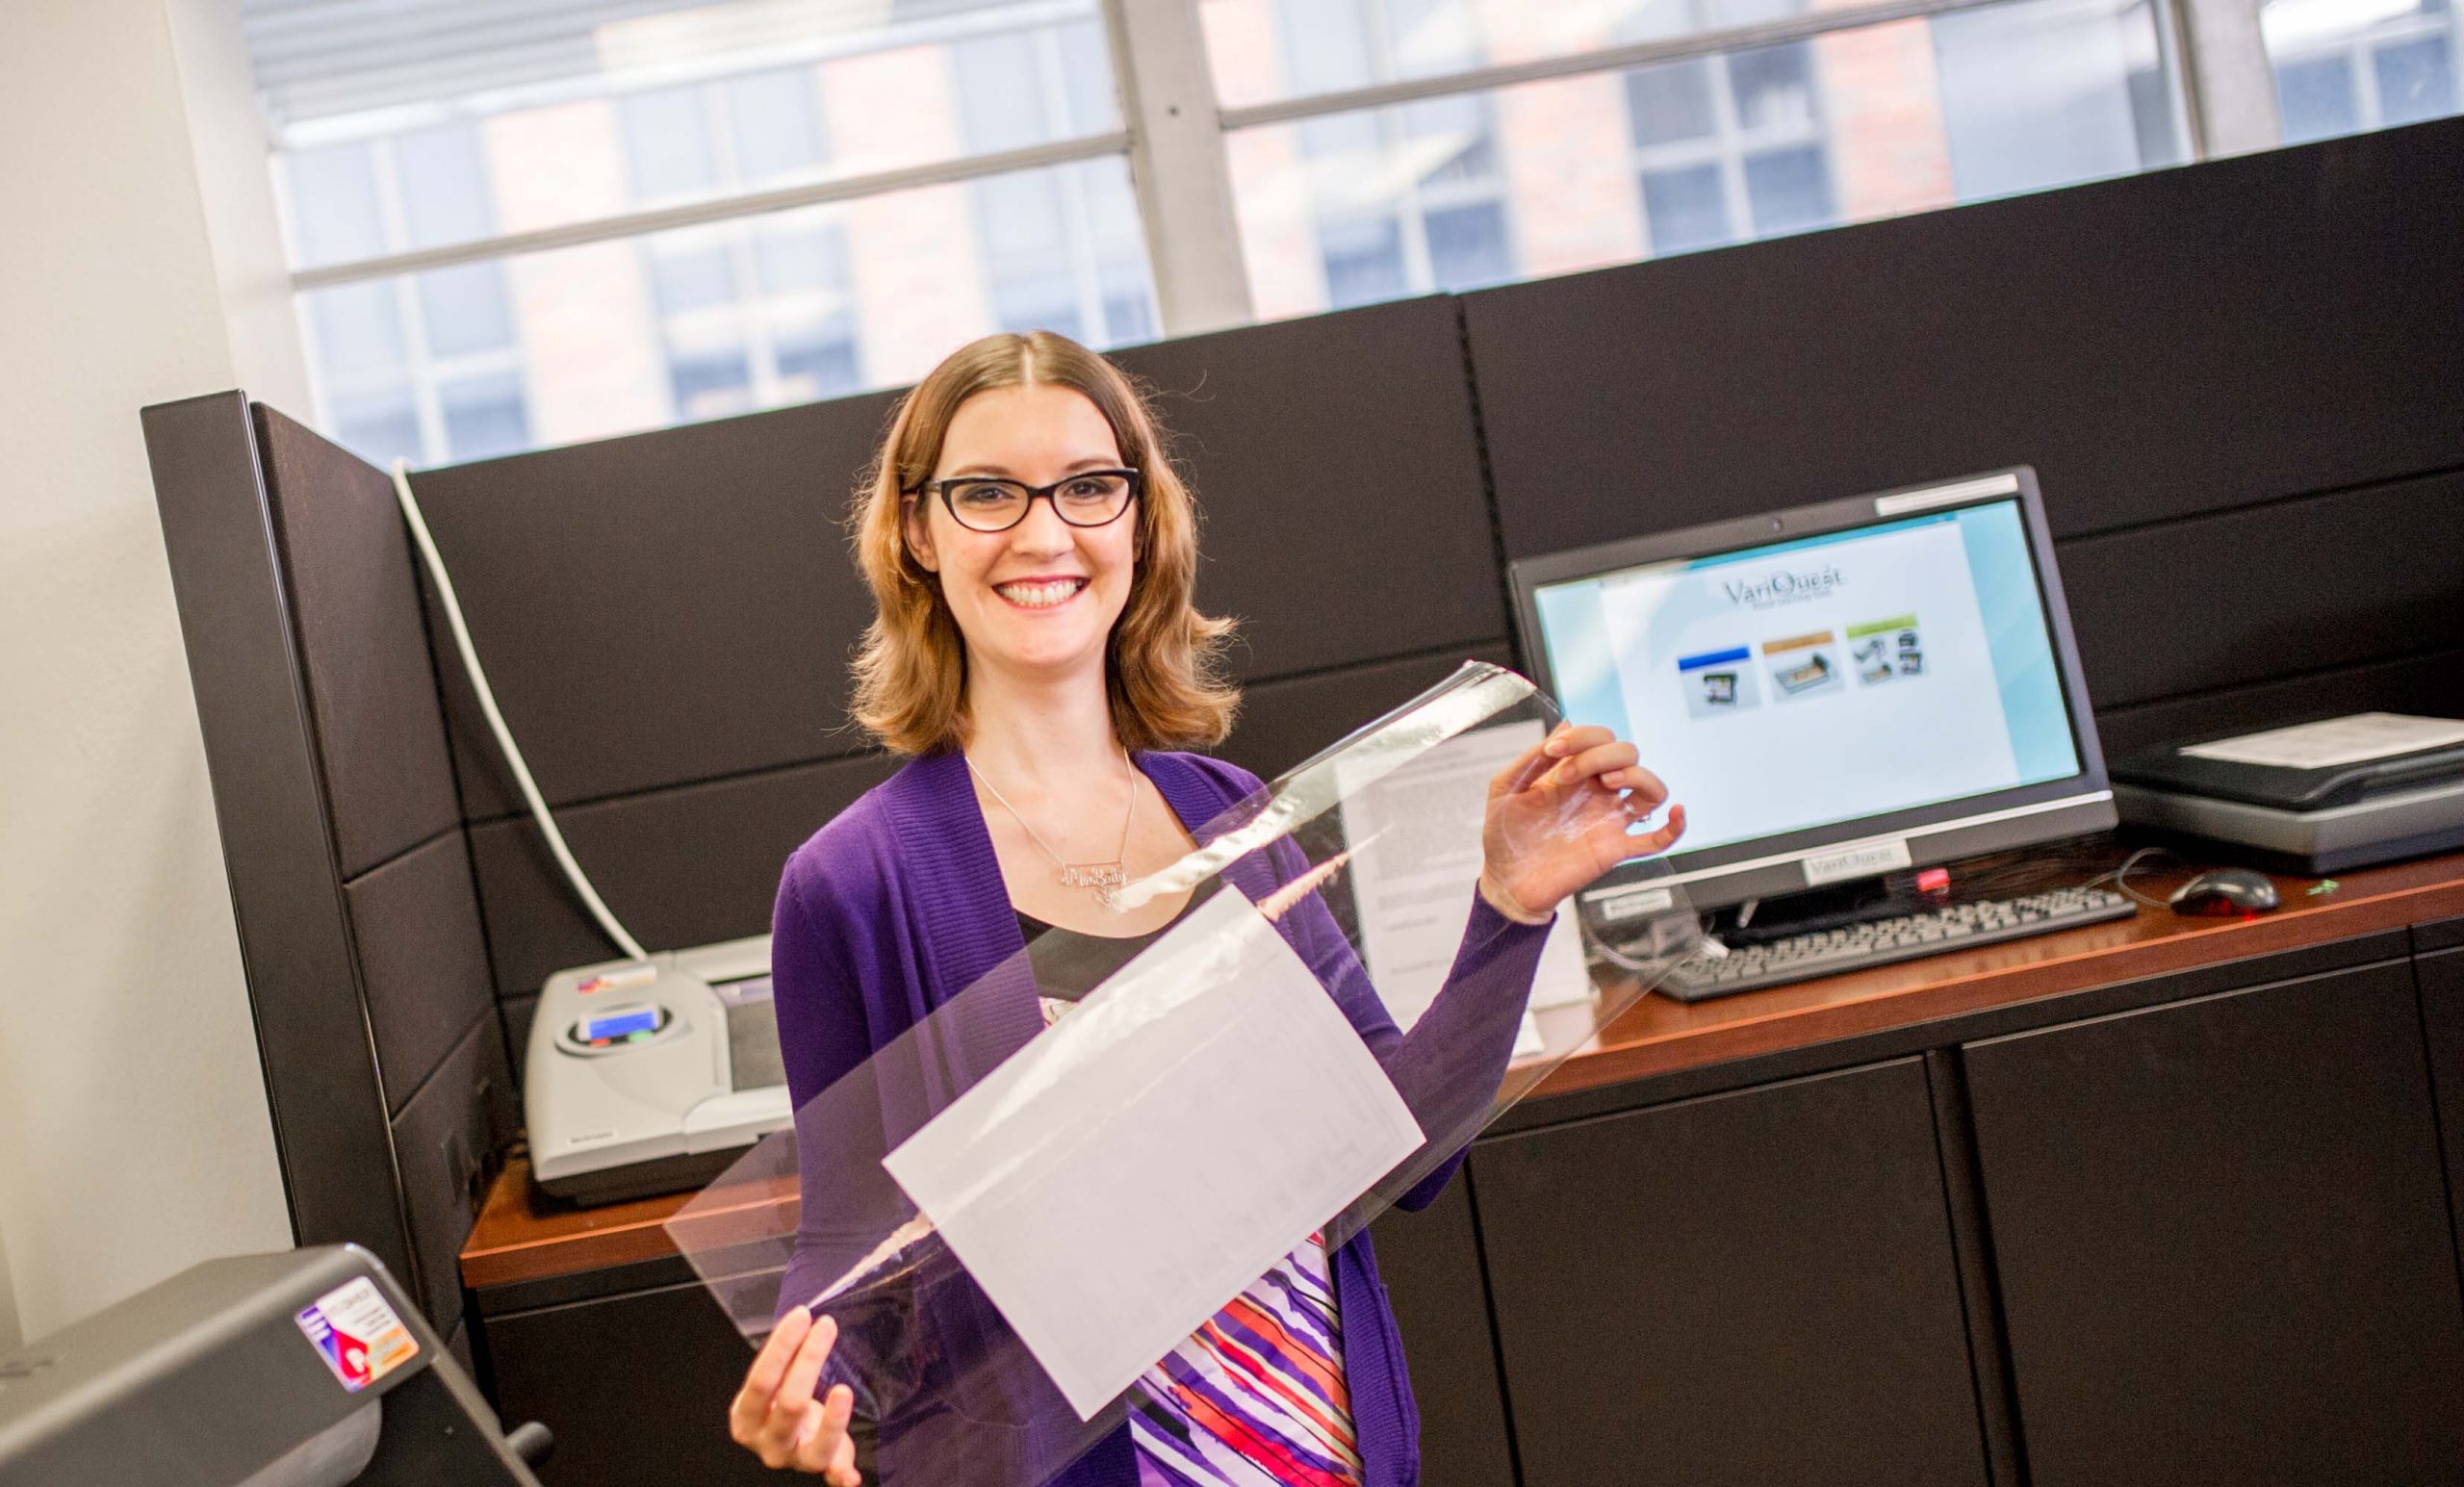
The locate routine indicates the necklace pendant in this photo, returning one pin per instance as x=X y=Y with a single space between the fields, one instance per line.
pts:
x=1102 y=877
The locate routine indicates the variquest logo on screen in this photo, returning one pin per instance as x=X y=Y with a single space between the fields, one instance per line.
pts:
x=1786 y=588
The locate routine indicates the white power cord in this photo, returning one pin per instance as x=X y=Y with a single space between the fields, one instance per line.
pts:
x=539 y=812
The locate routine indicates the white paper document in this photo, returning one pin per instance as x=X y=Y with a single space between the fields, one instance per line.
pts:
x=2324 y=745
x=1416 y=863
x=1118 y=1180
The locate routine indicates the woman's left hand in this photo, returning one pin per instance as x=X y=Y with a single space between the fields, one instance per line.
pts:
x=1559 y=815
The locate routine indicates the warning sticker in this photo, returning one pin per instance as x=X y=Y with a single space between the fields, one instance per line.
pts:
x=360 y=1336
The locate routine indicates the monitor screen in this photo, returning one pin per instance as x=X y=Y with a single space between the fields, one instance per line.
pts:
x=1829 y=678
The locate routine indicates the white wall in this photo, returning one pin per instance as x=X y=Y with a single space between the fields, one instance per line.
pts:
x=138 y=265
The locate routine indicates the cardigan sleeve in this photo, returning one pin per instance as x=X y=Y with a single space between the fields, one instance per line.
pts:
x=847 y=999
x=818 y=991
x=815 y=989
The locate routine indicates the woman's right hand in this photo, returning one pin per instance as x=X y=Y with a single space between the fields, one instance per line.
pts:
x=775 y=1415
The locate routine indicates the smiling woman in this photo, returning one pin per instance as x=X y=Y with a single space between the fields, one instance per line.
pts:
x=1037 y=650
x=1032 y=408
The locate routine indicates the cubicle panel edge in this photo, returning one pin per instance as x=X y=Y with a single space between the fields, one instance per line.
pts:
x=363 y=645
x=448 y=1136
x=2179 y=342
x=372 y=688
x=272 y=807
x=366 y=665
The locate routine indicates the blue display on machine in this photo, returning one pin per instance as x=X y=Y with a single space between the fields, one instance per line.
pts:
x=638 y=1020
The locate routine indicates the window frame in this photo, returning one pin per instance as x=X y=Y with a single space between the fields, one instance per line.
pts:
x=2359 y=51
x=752 y=320
x=423 y=374
x=1175 y=137
x=1728 y=145
x=1411 y=206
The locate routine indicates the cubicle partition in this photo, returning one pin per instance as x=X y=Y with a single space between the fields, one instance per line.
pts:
x=342 y=835
x=2238 y=383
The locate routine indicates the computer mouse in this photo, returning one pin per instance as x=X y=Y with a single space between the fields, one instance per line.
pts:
x=2225 y=890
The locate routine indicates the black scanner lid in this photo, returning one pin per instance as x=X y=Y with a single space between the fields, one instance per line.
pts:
x=2283 y=789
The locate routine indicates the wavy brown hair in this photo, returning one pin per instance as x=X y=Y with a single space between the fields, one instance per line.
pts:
x=1163 y=664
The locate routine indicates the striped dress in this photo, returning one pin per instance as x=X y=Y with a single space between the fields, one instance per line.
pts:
x=1255 y=1397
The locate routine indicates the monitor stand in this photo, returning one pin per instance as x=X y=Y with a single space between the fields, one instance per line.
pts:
x=1849 y=926
x=1858 y=901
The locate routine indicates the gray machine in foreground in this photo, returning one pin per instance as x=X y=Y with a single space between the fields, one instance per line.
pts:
x=652 y=1076
x=306 y=1368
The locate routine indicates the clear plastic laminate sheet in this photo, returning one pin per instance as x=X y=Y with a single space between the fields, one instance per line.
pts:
x=1019 y=1206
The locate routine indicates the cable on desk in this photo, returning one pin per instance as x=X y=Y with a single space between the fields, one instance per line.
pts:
x=2119 y=876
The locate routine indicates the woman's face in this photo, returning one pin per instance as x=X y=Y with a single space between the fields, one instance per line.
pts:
x=1040 y=598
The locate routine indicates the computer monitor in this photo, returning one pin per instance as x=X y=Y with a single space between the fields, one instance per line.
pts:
x=1834 y=691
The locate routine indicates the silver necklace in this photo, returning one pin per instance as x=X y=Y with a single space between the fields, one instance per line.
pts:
x=1101 y=877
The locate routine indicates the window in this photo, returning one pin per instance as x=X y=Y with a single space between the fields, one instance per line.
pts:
x=531 y=222
x=2016 y=123
x=403 y=367
x=2346 y=65
x=523 y=222
x=751 y=313
x=1730 y=147
x=1846 y=122
x=1399 y=200
x=1061 y=249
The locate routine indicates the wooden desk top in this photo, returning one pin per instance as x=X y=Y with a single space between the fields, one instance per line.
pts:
x=522 y=1236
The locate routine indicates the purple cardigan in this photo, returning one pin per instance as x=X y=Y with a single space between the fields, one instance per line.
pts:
x=898 y=905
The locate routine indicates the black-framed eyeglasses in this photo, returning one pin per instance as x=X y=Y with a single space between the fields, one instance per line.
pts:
x=989 y=504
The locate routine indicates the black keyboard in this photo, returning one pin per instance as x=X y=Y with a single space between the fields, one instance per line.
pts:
x=1881 y=941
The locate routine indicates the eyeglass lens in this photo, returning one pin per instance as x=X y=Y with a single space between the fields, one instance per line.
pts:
x=989 y=505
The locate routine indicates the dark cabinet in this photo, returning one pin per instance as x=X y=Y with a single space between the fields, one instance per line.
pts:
x=2206 y=1240
x=634 y=1387
x=1747 y=1288
x=2442 y=983
x=2219 y=1239
x=2438 y=935
x=1429 y=1263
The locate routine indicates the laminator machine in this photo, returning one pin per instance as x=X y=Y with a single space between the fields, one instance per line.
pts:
x=652 y=1076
